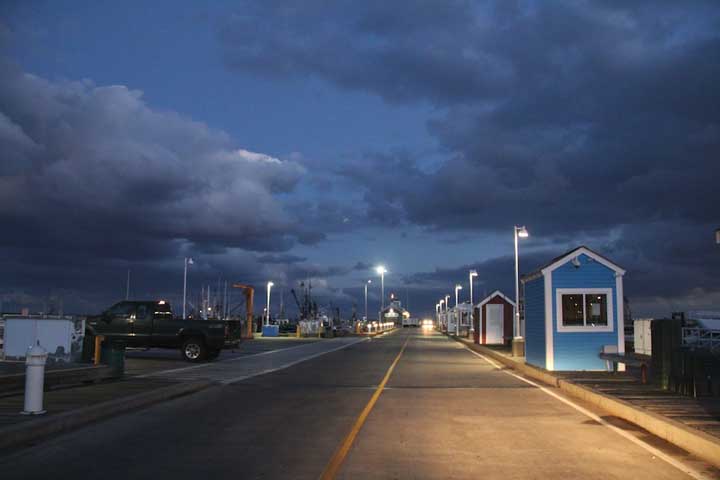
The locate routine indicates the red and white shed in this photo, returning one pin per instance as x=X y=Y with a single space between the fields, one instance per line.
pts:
x=493 y=319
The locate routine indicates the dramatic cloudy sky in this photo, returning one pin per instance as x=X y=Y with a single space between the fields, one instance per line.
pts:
x=289 y=140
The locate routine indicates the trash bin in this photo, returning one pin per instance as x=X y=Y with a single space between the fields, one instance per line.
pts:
x=112 y=353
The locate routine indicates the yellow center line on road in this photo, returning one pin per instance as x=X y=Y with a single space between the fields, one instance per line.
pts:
x=333 y=466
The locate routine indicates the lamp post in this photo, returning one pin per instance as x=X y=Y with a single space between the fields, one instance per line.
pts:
x=458 y=287
x=267 y=309
x=366 y=287
x=127 y=286
x=473 y=273
x=381 y=271
x=188 y=261
x=440 y=305
x=447 y=312
x=518 y=341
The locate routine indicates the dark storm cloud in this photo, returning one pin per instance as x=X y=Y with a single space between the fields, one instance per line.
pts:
x=362 y=266
x=401 y=50
x=92 y=178
x=551 y=109
x=582 y=120
x=281 y=258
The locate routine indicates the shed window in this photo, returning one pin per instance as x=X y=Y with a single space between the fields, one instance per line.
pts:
x=572 y=306
x=581 y=310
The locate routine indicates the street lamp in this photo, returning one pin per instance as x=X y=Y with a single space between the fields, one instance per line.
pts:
x=473 y=273
x=267 y=309
x=458 y=287
x=381 y=271
x=440 y=305
x=188 y=261
x=520 y=232
x=366 y=287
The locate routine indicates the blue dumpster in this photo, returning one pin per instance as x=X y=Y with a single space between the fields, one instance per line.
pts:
x=270 y=330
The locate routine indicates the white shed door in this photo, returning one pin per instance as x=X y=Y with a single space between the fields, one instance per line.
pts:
x=494 y=327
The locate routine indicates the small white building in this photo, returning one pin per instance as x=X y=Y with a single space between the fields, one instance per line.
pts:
x=462 y=313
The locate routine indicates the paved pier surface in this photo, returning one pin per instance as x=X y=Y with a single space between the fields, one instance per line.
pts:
x=443 y=413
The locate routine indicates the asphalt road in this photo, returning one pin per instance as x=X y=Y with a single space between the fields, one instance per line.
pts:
x=146 y=361
x=445 y=413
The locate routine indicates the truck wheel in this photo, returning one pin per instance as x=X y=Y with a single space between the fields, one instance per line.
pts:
x=193 y=349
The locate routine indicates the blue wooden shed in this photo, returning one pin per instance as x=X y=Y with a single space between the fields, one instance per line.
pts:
x=573 y=309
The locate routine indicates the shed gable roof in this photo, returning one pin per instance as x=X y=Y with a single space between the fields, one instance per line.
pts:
x=567 y=257
x=496 y=293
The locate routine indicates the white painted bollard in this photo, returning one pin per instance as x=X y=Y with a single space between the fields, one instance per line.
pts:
x=34 y=380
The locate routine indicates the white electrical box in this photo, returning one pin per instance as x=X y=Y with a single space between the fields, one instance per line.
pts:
x=642 y=336
x=61 y=336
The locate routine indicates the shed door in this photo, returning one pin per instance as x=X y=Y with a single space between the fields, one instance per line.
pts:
x=494 y=332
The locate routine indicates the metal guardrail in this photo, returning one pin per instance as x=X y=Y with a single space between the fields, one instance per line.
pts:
x=704 y=338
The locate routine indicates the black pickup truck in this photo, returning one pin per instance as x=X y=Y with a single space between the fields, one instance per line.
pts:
x=151 y=324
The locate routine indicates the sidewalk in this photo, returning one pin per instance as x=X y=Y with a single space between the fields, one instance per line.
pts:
x=691 y=424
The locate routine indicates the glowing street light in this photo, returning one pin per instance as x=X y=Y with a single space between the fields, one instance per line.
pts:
x=381 y=271
x=267 y=309
x=458 y=287
x=473 y=273
x=520 y=232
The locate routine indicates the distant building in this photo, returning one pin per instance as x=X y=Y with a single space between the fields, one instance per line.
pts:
x=394 y=312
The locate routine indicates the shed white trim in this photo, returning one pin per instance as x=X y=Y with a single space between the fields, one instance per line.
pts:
x=580 y=251
x=491 y=296
x=621 y=318
x=549 y=341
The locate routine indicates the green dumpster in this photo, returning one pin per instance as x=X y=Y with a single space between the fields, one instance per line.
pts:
x=112 y=353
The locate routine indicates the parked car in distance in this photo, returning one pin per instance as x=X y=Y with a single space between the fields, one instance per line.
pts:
x=151 y=324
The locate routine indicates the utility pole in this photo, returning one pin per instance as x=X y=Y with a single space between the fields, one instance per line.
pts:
x=225 y=302
x=127 y=286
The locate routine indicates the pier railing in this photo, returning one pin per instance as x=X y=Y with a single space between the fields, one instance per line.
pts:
x=704 y=338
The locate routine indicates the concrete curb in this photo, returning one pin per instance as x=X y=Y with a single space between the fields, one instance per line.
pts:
x=37 y=430
x=63 y=376
x=690 y=439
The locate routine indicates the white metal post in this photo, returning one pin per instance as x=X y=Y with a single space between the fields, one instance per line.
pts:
x=447 y=312
x=517 y=332
x=382 y=290
x=185 y=287
x=225 y=301
x=440 y=305
x=366 y=302
x=457 y=310
x=35 y=359
x=267 y=309
x=516 y=323
x=473 y=273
